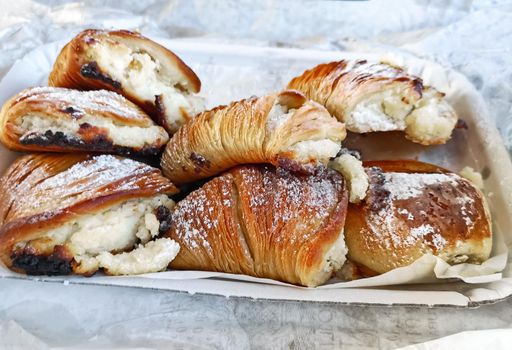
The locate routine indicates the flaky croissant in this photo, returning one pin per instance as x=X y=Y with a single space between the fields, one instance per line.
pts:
x=372 y=96
x=261 y=222
x=282 y=129
x=414 y=208
x=63 y=213
x=62 y=120
x=143 y=71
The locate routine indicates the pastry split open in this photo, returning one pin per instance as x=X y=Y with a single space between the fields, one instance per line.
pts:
x=62 y=120
x=282 y=129
x=373 y=96
x=412 y=209
x=145 y=72
x=62 y=214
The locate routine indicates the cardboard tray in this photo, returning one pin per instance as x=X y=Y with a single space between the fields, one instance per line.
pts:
x=231 y=72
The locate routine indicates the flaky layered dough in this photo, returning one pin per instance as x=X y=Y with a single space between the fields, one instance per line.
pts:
x=41 y=194
x=282 y=129
x=412 y=209
x=61 y=120
x=371 y=96
x=256 y=221
x=143 y=71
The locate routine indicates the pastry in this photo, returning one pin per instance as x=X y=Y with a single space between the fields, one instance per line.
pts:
x=263 y=222
x=63 y=120
x=283 y=129
x=143 y=71
x=414 y=208
x=371 y=96
x=76 y=213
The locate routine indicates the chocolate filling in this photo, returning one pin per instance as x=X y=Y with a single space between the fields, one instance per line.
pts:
x=163 y=214
x=99 y=143
x=41 y=265
x=200 y=162
x=92 y=70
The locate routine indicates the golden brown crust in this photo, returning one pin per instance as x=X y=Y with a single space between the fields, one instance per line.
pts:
x=75 y=68
x=256 y=221
x=65 y=107
x=413 y=208
x=240 y=133
x=43 y=191
x=341 y=86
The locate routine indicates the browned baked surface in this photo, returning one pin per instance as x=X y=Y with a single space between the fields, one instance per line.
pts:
x=64 y=107
x=396 y=100
x=75 y=69
x=239 y=133
x=42 y=191
x=256 y=221
x=413 y=208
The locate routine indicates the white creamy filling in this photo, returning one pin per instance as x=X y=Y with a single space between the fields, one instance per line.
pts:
x=428 y=120
x=433 y=120
x=473 y=176
x=383 y=111
x=353 y=171
x=142 y=75
x=277 y=117
x=333 y=261
x=318 y=151
x=116 y=229
x=128 y=136
x=154 y=256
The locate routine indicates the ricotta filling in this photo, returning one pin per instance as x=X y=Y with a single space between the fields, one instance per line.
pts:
x=334 y=259
x=353 y=171
x=384 y=111
x=473 y=176
x=317 y=151
x=154 y=256
x=127 y=136
x=141 y=74
x=115 y=230
x=431 y=119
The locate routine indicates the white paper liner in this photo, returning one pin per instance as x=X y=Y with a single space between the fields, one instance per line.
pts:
x=229 y=73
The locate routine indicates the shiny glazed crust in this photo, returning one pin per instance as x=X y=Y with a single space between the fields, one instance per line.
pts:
x=256 y=221
x=393 y=228
x=43 y=191
x=75 y=68
x=239 y=133
x=65 y=107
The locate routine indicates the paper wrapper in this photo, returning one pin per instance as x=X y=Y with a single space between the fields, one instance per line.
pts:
x=233 y=72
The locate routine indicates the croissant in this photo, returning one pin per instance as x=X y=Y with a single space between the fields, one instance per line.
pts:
x=143 y=71
x=282 y=129
x=369 y=96
x=62 y=120
x=411 y=209
x=263 y=222
x=73 y=213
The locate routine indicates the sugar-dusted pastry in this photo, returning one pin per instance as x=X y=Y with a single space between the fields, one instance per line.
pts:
x=143 y=71
x=257 y=221
x=373 y=96
x=412 y=209
x=76 y=213
x=281 y=129
x=62 y=120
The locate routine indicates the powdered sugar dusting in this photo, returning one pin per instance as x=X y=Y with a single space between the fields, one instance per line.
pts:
x=91 y=178
x=404 y=185
x=80 y=101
